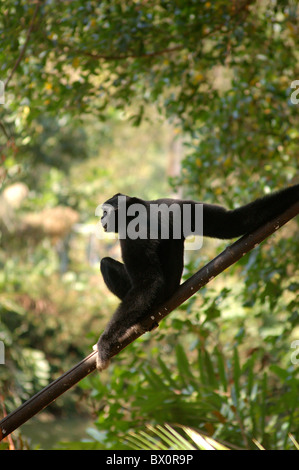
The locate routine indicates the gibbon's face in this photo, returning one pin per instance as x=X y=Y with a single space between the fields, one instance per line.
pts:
x=109 y=219
x=115 y=206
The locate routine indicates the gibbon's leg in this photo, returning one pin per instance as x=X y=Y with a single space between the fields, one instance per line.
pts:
x=116 y=277
x=148 y=290
x=135 y=306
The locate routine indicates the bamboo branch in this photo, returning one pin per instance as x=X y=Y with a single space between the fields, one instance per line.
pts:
x=225 y=259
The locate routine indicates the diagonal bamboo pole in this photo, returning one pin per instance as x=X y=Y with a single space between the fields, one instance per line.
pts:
x=225 y=259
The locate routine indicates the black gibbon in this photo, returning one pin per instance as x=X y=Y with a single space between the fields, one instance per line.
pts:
x=153 y=251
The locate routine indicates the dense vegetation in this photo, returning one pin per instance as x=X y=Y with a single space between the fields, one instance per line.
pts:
x=110 y=96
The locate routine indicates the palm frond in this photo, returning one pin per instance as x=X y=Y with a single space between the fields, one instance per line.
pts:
x=167 y=438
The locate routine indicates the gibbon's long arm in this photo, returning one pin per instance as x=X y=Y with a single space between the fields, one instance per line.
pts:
x=221 y=223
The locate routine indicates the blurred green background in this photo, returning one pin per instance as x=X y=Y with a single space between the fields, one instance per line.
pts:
x=188 y=98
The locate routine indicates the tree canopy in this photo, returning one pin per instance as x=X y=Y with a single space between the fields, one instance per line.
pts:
x=221 y=70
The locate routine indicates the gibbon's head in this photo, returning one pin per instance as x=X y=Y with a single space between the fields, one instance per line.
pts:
x=109 y=219
x=115 y=212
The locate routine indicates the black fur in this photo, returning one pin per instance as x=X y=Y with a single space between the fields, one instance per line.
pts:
x=152 y=268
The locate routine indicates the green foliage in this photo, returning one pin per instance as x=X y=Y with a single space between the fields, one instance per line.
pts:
x=218 y=394
x=222 y=73
x=167 y=438
x=39 y=324
x=221 y=367
x=52 y=309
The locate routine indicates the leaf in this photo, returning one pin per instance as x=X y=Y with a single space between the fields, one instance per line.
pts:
x=209 y=370
x=236 y=372
x=155 y=380
x=170 y=439
x=203 y=442
x=296 y=443
x=221 y=369
x=281 y=373
x=11 y=306
x=167 y=372
x=183 y=363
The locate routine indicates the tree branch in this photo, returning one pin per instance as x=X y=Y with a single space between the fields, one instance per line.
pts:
x=228 y=257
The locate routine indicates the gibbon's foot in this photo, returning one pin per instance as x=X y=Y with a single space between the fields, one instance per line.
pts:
x=103 y=346
x=101 y=363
